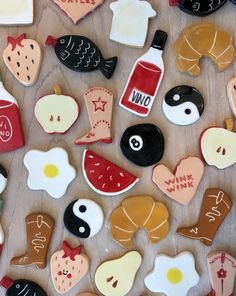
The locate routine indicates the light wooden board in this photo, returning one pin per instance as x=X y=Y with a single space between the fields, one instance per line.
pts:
x=180 y=141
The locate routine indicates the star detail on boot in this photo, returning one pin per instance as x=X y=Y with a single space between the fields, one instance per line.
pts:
x=99 y=104
x=222 y=273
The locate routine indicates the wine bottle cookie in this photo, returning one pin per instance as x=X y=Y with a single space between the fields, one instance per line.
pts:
x=16 y=12
x=130 y=21
x=3 y=184
x=23 y=58
x=68 y=267
x=39 y=233
x=56 y=113
x=80 y=54
x=216 y=206
x=76 y=10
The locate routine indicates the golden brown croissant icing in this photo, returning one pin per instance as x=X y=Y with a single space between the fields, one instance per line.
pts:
x=139 y=212
x=200 y=40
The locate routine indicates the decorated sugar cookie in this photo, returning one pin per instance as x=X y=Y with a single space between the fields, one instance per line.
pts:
x=216 y=205
x=143 y=144
x=116 y=277
x=16 y=12
x=183 y=183
x=99 y=103
x=173 y=276
x=68 y=267
x=56 y=113
x=11 y=132
x=23 y=59
x=130 y=21
x=80 y=54
x=105 y=177
x=21 y=287
x=79 y=218
x=145 y=78
x=3 y=184
x=203 y=40
x=39 y=233
x=231 y=89
x=199 y=7
x=139 y=212
x=49 y=171
x=183 y=105
x=77 y=10
x=222 y=270
x=218 y=146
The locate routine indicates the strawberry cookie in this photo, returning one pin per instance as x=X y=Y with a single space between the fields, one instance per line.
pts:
x=23 y=59
x=68 y=267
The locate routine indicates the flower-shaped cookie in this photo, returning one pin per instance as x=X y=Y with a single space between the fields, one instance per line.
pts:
x=49 y=171
x=173 y=276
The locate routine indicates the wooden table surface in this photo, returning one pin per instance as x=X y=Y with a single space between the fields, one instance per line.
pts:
x=180 y=142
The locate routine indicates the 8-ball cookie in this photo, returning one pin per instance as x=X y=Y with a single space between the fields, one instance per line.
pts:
x=143 y=144
x=183 y=105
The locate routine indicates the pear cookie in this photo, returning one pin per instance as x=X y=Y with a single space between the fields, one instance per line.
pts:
x=39 y=232
x=99 y=103
x=76 y=10
x=139 y=212
x=130 y=21
x=222 y=270
x=173 y=276
x=218 y=145
x=116 y=277
x=231 y=89
x=200 y=40
x=68 y=267
x=79 y=218
x=183 y=183
x=216 y=206
x=56 y=113
x=16 y=12
x=23 y=59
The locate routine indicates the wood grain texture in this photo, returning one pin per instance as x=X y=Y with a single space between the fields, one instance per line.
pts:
x=180 y=141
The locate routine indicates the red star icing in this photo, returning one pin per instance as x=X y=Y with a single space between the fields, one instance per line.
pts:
x=99 y=104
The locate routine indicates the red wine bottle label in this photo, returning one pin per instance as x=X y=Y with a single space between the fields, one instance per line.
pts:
x=141 y=88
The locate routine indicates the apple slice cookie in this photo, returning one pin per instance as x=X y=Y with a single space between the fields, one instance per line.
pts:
x=218 y=145
x=23 y=59
x=183 y=183
x=56 y=113
x=49 y=171
x=116 y=277
x=105 y=177
x=68 y=267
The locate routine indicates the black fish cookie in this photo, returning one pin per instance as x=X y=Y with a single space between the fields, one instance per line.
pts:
x=21 y=287
x=143 y=144
x=3 y=180
x=80 y=54
x=183 y=105
x=83 y=218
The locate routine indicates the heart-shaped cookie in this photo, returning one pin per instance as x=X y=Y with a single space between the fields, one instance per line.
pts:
x=76 y=10
x=182 y=184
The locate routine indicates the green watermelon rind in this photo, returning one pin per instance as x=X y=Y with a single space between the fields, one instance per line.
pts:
x=100 y=191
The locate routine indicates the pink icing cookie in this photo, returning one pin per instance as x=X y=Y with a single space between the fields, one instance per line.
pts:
x=183 y=183
x=76 y=10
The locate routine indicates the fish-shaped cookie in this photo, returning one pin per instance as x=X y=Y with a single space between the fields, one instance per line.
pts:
x=80 y=54
x=201 y=7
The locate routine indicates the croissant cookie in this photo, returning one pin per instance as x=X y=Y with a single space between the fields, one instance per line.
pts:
x=139 y=212
x=201 y=40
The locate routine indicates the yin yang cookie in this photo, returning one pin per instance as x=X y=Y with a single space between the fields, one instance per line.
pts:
x=183 y=105
x=83 y=218
x=143 y=144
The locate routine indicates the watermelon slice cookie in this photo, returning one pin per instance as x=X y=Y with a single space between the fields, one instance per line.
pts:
x=105 y=177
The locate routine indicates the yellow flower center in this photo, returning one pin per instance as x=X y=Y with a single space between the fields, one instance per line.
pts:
x=51 y=171
x=174 y=276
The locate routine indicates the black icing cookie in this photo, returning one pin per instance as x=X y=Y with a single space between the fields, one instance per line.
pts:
x=201 y=7
x=80 y=54
x=83 y=218
x=233 y=1
x=3 y=179
x=183 y=105
x=143 y=144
